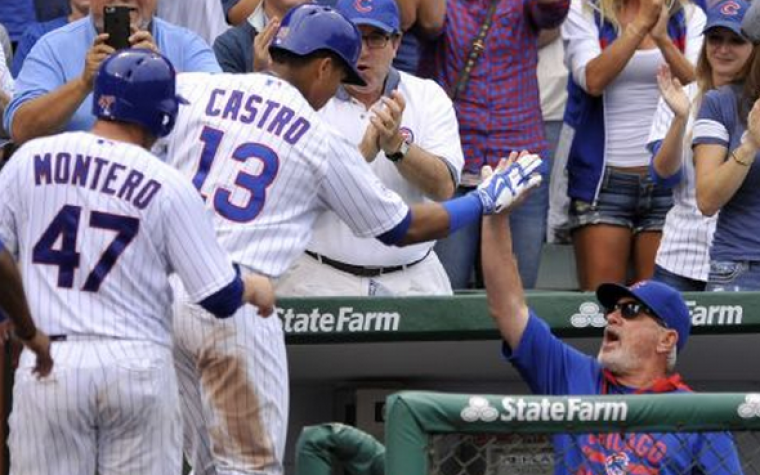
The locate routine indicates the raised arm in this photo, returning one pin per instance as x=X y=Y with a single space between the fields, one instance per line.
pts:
x=504 y=290
x=595 y=74
x=667 y=160
x=49 y=113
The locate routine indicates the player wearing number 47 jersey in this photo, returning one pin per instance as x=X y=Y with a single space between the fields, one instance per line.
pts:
x=97 y=224
x=268 y=166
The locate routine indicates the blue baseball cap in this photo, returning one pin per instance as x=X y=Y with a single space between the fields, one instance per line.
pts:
x=382 y=14
x=727 y=14
x=664 y=301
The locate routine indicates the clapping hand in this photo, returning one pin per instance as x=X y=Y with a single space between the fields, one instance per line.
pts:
x=672 y=91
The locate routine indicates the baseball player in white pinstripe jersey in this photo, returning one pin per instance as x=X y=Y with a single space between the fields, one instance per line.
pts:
x=98 y=223
x=268 y=166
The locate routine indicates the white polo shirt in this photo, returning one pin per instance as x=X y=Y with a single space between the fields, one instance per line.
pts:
x=430 y=123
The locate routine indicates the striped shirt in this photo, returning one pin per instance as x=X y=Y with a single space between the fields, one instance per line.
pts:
x=687 y=234
x=269 y=166
x=500 y=109
x=97 y=227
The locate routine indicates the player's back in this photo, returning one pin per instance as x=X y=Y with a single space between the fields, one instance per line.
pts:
x=91 y=216
x=268 y=165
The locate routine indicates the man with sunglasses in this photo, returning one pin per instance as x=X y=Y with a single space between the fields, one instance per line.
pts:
x=648 y=324
x=416 y=152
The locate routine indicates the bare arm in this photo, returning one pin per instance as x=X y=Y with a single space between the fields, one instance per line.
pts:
x=427 y=172
x=258 y=291
x=504 y=290
x=430 y=17
x=5 y=99
x=241 y=11
x=12 y=297
x=718 y=179
x=721 y=172
x=667 y=161
x=49 y=113
x=603 y=69
x=14 y=304
x=679 y=65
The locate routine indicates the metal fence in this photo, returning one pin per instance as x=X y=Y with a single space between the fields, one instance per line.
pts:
x=448 y=434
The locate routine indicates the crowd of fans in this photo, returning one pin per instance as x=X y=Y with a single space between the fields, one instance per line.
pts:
x=643 y=110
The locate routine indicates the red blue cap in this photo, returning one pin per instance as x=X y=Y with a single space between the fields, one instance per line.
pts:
x=382 y=14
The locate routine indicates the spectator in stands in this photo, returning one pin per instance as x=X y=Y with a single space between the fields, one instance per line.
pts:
x=36 y=30
x=416 y=153
x=726 y=142
x=647 y=326
x=205 y=17
x=683 y=259
x=235 y=49
x=498 y=112
x=16 y=15
x=617 y=211
x=241 y=49
x=54 y=89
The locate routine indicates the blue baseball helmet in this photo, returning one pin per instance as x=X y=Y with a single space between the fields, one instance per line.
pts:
x=137 y=86
x=308 y=28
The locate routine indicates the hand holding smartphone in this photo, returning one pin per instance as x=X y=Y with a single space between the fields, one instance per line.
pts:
x=116 y=23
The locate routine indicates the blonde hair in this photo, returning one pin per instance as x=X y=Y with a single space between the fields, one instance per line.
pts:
x=610 y=9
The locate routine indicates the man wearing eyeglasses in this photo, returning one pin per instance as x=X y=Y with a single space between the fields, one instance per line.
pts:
x=648 y=325
x=416 y=153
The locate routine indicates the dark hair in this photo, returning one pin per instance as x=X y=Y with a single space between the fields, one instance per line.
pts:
x=751 y=89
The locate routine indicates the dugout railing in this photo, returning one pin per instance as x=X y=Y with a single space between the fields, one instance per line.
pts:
x=459 y=434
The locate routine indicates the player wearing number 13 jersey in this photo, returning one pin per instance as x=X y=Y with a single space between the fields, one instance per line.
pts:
x=268 y=166
x=97 y=224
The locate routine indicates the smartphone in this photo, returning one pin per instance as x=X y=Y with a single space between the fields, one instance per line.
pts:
x=116 y=24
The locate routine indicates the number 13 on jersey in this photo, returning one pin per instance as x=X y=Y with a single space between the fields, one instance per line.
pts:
x=255 y=185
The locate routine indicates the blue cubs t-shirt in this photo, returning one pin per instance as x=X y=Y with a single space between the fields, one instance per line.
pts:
x=552 y=367
x=737 y=234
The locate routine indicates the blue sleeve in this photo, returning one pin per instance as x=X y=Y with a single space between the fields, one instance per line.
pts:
x=396 y=235
x=225 y=302
x=40 y=74
x=2 y=246
x=226 y=5
x=711 y=125
x=667 y=182
x=550 y=366
x=198 y=56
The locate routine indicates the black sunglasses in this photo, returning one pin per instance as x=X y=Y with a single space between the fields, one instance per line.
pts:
x=631 y=310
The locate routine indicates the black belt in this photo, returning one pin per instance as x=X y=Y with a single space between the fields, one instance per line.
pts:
x=57 y=337
x=361 y=271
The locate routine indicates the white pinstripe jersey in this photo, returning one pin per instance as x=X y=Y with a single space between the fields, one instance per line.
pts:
x=97 y=227
x=268 y=166
x=687 y=234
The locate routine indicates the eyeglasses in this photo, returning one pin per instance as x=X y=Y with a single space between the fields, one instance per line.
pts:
x=631 y=310
x=375 y=40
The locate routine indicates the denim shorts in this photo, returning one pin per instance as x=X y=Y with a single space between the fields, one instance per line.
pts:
x=625 y=199
x=733 y=276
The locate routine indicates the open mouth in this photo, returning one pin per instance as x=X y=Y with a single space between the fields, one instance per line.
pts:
x=611 y=337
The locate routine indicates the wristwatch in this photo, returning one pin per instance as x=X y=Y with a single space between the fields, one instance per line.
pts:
x=396 y=157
